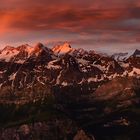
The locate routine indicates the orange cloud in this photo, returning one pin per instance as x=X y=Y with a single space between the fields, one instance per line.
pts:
x=77 y=15
x=108 y=21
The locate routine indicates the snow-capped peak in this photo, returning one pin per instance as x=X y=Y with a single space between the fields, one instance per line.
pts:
x=8 y=48
x=27 y=48
x=37 y=48
x=121 y=56
x=62 y=49
x=136 y=53
x=7 y=53
x=23 y=51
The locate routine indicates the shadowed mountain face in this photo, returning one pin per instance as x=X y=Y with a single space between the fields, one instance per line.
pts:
x=66 y=93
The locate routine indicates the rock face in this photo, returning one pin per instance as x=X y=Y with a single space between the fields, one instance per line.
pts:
x=93 y=94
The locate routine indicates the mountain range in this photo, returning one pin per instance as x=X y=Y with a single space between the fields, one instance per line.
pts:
x=83 y=91
x=61 y=65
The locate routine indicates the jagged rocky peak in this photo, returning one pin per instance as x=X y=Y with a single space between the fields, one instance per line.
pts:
x=136 y=53
x=8 y=48
x=24 y=46
x=67 y=45
x=38 y=47
x=62 y=49
x=80 y=51
x=7 y=53
x=120 y=56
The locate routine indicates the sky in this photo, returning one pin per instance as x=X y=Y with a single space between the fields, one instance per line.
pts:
x=104 y=25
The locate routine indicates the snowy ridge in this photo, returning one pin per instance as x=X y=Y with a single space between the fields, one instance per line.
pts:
x=7 y=53
x=62 y=65
x=24 y=51
x=121 y=56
